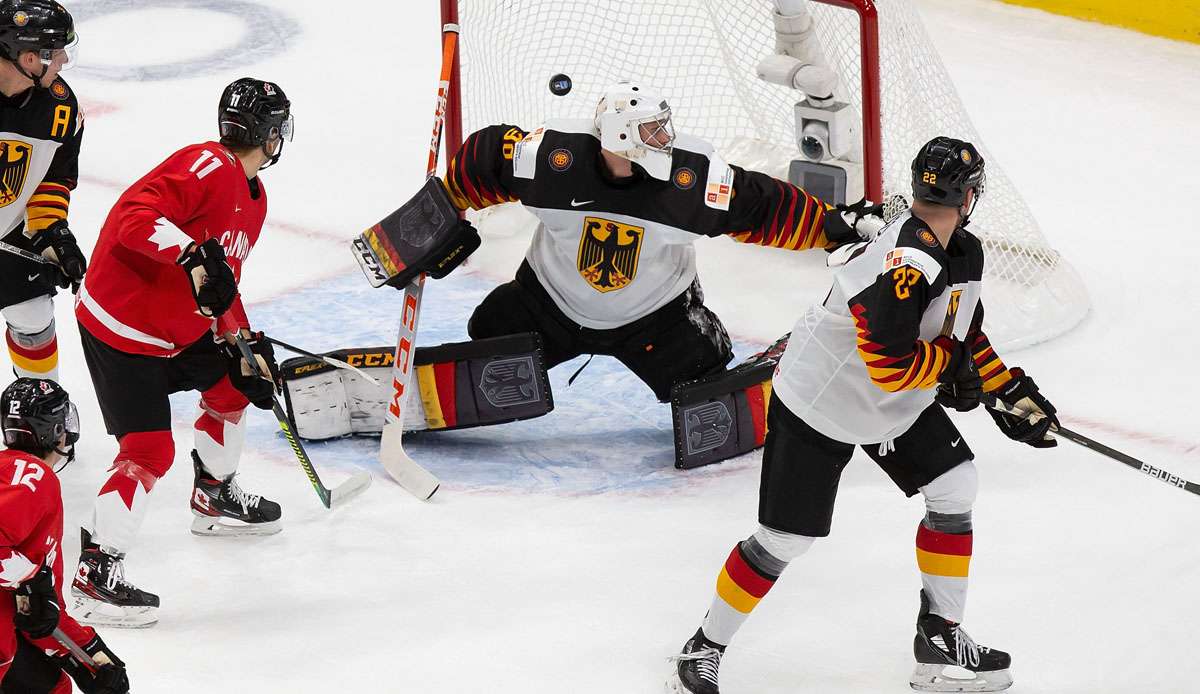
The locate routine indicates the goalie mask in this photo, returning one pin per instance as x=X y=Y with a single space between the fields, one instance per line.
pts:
x=36 y=413
x=636 y=124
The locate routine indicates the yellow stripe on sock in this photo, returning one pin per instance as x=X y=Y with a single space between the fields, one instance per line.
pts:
x=39 y=366
x=733 y=594
x=943 y=564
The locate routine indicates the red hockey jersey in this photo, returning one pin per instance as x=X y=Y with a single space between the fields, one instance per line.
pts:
x=136 y=298
x=31 y=523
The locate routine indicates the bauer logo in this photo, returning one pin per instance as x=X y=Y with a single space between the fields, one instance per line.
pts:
x=561 y=159
x=510 y=382
x=14 y=166
x=706 y=426
x=1173 y=480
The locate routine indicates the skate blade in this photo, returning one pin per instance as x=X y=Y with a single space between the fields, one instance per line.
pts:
x=93 y=612
x=220 y=526
x=928 y=677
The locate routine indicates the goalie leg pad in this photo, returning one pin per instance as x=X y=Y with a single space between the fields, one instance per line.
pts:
x=459 y=385
x=724 y=415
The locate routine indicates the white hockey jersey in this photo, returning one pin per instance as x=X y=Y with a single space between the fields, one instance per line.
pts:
x=611 y=251
x=861 y=367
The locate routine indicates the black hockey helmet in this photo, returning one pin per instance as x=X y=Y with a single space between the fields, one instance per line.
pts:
x=253 y=112
x=36 y=412
x=945 y=169
x=42 y=26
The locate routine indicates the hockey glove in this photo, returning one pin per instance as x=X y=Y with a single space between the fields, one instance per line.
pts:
x=258 y=390
x=959 y=385
x=108 y=678
x=453 y=251
x=57 y=243
x=1021 y=393
x=866 y=219
x=213 y=285
x=37 y=605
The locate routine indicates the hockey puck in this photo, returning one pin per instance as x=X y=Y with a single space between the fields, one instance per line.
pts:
x=560 y=85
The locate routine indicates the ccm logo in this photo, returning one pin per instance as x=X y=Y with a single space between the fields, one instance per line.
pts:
x=368 y=259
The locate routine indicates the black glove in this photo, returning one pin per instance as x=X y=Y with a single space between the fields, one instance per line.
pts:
x=57 y=243
x=108 y=678
x=213 y=285
x=959 y=385
x=865 y=219
x=1022 y=393
x=37 y=605
x=453 y=251
x=257 y=390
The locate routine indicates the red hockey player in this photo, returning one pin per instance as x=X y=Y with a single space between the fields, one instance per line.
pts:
x=40 y=429
x=165 y=268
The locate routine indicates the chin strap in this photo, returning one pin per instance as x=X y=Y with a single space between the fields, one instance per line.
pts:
x=273 y=158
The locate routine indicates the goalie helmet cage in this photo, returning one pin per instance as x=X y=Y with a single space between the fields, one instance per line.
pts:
x=701 y=55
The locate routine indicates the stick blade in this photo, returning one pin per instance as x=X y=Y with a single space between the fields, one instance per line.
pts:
x=349 y=489
x=409 y=474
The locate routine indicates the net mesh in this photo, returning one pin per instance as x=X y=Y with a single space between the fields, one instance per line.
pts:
x=702 y=55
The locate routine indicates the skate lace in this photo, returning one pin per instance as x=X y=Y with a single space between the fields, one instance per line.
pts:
x=115 y=576
x=246 y=501
x=966 y=651
x=709 y=663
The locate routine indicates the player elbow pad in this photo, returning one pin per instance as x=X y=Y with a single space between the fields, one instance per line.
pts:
x=458 y=386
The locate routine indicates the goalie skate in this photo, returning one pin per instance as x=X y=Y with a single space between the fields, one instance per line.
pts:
x=949 y=661
x=221 y=508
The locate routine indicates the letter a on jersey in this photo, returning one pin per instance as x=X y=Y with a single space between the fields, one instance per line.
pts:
x=608 y=253
x=14 y=165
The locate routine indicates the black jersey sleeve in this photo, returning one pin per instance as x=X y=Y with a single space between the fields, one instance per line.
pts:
x=480 y=174
x=769 y=212
x=52 y=197
x=887 y=318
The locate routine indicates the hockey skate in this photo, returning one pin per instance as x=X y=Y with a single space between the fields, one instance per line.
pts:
x=949 y=661
x=102 y=596
x=222 y=508
x=696 y=667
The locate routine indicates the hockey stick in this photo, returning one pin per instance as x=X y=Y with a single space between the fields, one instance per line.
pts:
x=76 y=652
x=337 y=363
x=27 y=255
x=1079 y=439
x=407 y=472
x=339 y=494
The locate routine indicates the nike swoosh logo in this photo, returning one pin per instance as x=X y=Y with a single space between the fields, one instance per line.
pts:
x=955 y=442
x=578 y=204
x=34 y=276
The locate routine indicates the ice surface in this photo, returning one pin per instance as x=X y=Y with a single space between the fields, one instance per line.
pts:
x=565 y=553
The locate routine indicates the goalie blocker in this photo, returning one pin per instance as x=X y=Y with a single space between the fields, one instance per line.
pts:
x=725 y=414
x=459 y=385
x=424 y=235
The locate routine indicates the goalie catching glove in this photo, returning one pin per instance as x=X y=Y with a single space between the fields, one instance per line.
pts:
x=1021 y=393
x=424 y=235
x=213 y=285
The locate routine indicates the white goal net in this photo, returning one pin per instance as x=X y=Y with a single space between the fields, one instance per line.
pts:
x=701 y=55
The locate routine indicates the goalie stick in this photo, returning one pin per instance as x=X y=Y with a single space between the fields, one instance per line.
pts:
x=339 y=494
x=407 y=472
x=1079 y=439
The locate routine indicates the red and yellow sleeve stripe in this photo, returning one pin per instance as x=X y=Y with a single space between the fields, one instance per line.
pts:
x=797 y=224
x=465 y=181
x=991 y=369
x=919 y=368
x=47 y=205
